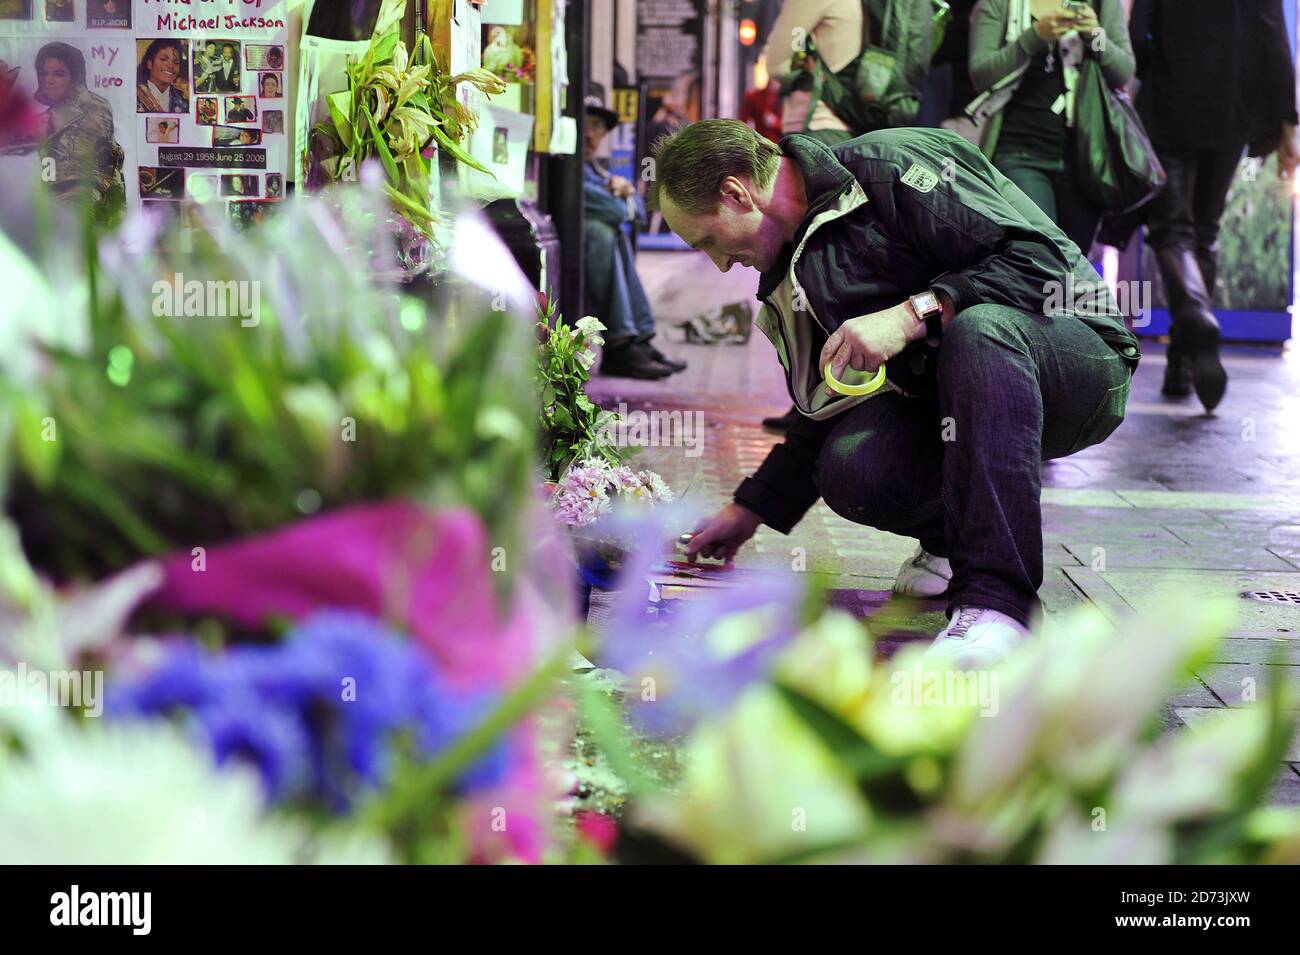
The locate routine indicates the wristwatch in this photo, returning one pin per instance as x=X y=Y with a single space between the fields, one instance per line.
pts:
x=930 y=310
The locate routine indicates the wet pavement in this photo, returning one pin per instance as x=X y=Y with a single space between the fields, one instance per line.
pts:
x=1209 y=504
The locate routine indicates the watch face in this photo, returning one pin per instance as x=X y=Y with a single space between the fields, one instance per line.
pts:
x=926 y=302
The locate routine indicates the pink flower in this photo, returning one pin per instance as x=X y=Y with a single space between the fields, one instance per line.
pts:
x=427 y=571
x=598 y=829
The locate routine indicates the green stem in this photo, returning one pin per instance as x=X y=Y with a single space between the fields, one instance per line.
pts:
x=411 y=795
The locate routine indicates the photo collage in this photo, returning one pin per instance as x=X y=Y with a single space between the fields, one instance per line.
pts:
x=210 y=122
x=232 y=92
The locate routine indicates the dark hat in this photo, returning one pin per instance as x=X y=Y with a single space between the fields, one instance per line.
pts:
x=595 y=103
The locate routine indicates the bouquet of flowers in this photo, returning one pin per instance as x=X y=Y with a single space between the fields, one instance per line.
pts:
x=590 y=488
x=394 y=107
x=798 y=746
x=330 y=493
x=571 y=425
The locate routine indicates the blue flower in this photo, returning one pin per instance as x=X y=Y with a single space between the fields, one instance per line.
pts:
x=186 y=678
x=318 y=714
x=272 y=739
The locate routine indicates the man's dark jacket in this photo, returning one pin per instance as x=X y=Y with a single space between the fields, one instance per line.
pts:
x=960 y=227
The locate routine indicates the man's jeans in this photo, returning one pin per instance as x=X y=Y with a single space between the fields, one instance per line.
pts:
x=961 y=471
x=614 y=292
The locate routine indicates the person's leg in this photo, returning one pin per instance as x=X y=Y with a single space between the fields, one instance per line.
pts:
x=1032 y=176
x=606 y=288
x=1194 y=332
x=607 y=298
x=881 y=466
x=1014 y=389
x=1215 y=172
x=643 y=318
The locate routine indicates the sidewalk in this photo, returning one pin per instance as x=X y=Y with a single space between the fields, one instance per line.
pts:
x=1208 y=504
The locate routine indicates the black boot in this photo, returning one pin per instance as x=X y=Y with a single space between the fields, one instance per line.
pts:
x=631 y=360
x=672 y=364
x=1178 y=377
x=1197 y=331
x=782 y=423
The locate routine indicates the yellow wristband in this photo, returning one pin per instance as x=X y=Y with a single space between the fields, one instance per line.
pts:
x=876 y=382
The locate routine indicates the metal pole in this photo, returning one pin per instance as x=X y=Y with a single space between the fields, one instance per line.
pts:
x=562 y=195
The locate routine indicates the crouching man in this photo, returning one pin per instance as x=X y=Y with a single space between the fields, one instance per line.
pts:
x=1003 y=349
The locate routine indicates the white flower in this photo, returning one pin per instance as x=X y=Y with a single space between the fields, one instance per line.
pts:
x=589 y=325
x=660 y=492
x=142 y=794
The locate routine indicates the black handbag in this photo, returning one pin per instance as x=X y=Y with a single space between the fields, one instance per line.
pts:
x=1117 y=168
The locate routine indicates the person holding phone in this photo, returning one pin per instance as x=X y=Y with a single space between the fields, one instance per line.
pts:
x=1024 y=61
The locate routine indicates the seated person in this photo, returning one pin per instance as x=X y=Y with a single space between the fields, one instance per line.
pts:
x=614 y=292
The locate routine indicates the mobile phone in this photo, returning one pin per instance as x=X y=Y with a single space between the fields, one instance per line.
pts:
x=1074 y=7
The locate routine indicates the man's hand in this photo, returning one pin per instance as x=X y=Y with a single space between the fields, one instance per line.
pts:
x=1288 y=154
x=621 y=187
x=867 y=342
x=721 y=535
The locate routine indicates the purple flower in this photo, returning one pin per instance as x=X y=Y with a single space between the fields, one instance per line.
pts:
x=185 y=678
x=694 y=677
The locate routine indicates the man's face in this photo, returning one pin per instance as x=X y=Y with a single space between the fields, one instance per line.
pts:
x=55 y=82
x=165 y=67
x=736 y=232
x=227 y=53
x=595 y=132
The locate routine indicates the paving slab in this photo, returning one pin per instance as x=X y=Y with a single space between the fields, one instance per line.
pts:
x=1145 y=592
x=1242 y=684
x=1103 y=551
x=1192 y=716
x=1259 y=650
x=1286 y=788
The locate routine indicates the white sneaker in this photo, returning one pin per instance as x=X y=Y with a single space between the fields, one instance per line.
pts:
x=978 y=637
x=923 y=575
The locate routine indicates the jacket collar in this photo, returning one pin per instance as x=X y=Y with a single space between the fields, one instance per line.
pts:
x=825 y=178
x=70 y=111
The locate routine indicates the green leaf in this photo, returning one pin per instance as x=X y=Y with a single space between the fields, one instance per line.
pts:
x=458 y=153
x=383 y=48
x=340 y=105
x=858 y=756
x=602 y=717
x=38 y=445
x=381 y=147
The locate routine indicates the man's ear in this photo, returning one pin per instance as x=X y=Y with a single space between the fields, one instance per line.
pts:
x=738 y=192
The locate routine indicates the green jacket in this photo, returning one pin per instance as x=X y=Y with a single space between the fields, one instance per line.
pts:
x=890 y=214
x=1003 y=42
